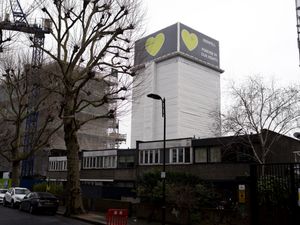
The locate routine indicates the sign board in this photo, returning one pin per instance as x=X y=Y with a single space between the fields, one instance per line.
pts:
x=242 y=187
x=199 y=46
x=181 y=39
x=242 y=193
x=5 y=175
x=156 y=45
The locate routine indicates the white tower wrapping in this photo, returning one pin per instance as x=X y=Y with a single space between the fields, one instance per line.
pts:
x=184 y=71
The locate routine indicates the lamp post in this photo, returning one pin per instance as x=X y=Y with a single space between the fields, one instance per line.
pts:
x=163 y=173
x=297 y=153
x=297 y=135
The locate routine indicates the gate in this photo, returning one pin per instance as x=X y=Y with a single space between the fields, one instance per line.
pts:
x=275 y=194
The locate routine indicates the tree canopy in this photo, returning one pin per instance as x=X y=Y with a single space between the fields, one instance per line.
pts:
x=257 y=106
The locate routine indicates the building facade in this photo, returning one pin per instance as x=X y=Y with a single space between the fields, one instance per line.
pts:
x=96 y=134
x=114 y=173
x=182 y=66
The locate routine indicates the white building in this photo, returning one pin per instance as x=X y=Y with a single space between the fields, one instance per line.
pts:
x=182 y=66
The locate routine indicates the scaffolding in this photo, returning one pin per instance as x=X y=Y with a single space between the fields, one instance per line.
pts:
x=20 y=24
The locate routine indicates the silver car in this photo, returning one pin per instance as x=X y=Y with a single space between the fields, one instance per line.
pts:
x=2 y=193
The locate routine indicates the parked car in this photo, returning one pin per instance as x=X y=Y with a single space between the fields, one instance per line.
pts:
x=40 y=202
x=14 y=195
x=2 y=193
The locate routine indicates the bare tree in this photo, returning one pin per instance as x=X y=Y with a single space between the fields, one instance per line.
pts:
x=92 y=41
x=17 y=87
x=256 y=109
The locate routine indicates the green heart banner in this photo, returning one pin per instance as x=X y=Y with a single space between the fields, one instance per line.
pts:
x=199 y=46
x=189 y=39
x=177 y=38
x=154 y=44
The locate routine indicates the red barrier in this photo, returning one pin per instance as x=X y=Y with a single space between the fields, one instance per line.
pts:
x=117 y=217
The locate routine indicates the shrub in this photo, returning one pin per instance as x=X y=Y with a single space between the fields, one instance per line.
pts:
x=273 y=190
x=182 y=190
x=52 y=188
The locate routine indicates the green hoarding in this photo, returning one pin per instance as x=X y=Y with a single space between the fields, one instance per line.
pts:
x=5 y=183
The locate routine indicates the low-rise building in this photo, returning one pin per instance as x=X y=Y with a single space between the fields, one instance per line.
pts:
x=113 y=173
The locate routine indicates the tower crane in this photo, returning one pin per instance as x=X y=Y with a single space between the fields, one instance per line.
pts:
x=20 y=24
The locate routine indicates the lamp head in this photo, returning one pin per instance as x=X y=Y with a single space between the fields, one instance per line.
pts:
x=154 y=96
x=297 y=135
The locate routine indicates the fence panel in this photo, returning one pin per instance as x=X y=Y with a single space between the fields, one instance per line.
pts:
x=274 y=194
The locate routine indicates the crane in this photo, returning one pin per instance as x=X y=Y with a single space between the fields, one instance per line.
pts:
x=20 y=24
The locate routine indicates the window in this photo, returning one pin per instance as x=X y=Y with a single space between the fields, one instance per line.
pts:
x=94 y=162
x=156 y=156
x=126 y=161
x=106 y=162
x=142 y=157
x=215 y=154
x=65 y=165
x=174 y=155
x=201 y=155
x=149 y=156
x=208 y=154
x=58 y=165
x=179 y=155
x=187 y=152
x=97 y=162
x=146 y=157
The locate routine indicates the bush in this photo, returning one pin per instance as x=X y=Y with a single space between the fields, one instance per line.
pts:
x=52 y=188
x=273 y=190
x=182 y=190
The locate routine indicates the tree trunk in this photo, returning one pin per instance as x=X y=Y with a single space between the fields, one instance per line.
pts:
x=74 y=201
x=15 y=174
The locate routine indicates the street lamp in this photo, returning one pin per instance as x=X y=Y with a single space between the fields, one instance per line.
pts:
x=297 y=153
x=163 y=173
x=297 y=135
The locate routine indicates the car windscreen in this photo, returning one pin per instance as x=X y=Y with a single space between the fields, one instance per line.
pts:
x=21 y=191
x=3 y=191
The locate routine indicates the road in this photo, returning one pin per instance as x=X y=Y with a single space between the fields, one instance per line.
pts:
x=9 y=216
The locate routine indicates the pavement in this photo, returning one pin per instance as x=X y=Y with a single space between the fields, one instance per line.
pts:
x=99 y=218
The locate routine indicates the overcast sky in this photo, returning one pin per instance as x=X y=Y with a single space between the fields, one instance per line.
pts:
x=256 y=37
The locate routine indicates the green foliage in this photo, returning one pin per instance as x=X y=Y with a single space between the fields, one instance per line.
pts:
x=207 y=195
x=272 y=190
x=182 y=190
x=150 y=187
x=52 y=188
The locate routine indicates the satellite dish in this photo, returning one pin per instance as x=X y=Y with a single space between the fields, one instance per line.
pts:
x=297 y=135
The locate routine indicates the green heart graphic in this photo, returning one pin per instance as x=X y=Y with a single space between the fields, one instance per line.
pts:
x=154 y=44
x=189 y=39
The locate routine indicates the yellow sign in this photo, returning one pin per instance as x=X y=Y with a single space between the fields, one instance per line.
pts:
x=242 y=196
x=189 y=39
x=154 y=44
